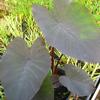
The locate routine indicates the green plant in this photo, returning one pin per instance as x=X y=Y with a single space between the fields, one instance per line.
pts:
x=24 y=69
x=56 y=43
x=94 y=8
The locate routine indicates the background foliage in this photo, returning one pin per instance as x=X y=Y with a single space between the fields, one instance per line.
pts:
x=16 y=20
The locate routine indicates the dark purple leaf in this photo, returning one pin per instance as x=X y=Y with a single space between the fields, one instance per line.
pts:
x=23 y=69
x=77 y=81
x=70 y=28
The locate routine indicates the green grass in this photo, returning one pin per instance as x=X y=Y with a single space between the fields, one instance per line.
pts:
x=94 y=8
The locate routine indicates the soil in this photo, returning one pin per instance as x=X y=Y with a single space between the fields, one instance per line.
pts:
x=61 y=93
x=3 y=9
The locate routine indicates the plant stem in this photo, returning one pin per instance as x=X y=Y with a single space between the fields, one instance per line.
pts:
x=76 y=97
x=57 y=63
x=52 y=59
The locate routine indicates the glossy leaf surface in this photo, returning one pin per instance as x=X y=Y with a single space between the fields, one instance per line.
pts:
x=77 y=81
x=70 y=28
x=23 y=69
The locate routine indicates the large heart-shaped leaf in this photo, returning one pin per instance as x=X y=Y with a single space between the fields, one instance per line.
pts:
x=77 y=81
x=46 y=91
x=70 y=28
x=23 y=69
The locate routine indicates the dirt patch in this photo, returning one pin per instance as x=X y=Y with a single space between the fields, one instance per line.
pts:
x=3 y=9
